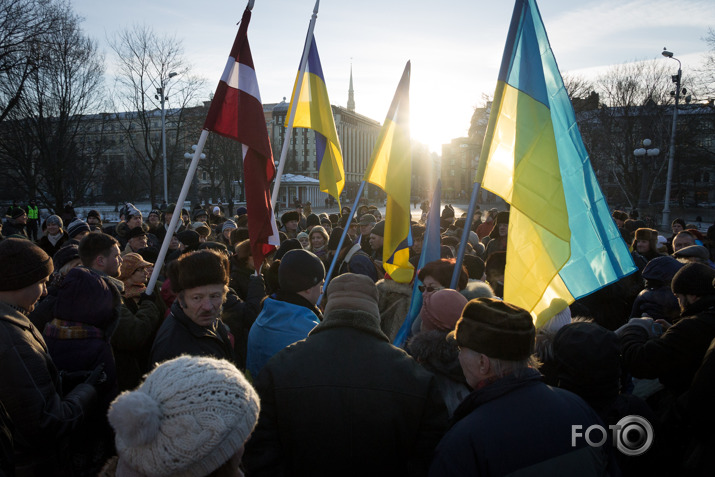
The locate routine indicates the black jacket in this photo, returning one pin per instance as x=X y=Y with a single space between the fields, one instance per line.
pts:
x=677 y=354
x=344 y=401
x=31 y=391
x=179 y=335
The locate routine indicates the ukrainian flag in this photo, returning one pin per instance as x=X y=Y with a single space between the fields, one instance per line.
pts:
x=390 y=169
x=313 y=111
x=562 y=243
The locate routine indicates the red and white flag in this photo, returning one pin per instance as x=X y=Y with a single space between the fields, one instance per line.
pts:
x=237 y=112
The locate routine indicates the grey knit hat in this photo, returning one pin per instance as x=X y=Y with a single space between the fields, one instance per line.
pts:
x=187 y=418
x=54 y=220
x=76 y=227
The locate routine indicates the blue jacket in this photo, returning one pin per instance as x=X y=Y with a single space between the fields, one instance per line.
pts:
x=278 y=325
x=520 y=425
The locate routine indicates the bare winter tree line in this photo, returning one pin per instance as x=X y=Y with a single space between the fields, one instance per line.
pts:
x=67 y=133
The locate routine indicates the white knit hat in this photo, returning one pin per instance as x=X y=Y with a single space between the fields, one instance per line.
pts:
x=559 y=320
x=187 y=418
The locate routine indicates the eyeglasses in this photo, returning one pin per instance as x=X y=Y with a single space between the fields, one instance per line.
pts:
x=429 y=288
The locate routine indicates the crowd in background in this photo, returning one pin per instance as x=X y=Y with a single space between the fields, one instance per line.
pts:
x=303 y=372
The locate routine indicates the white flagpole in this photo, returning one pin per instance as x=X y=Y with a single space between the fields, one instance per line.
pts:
x=177 y=211
x=293 y=104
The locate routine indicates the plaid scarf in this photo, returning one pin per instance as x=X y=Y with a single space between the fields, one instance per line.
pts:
x=71 y=330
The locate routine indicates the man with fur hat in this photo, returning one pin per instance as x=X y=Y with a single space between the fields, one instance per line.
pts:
x=365 y=405
x=290 y=221
x=194 y=326
x=645 y=243
x=674 y=356
x=43 y=416
x=289 y=314
x=512 y=422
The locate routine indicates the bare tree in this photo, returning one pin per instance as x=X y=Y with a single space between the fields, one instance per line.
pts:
x=42 y=142
x=634 y=101
x=25 y=27
x=145 y=62
x=706 y=73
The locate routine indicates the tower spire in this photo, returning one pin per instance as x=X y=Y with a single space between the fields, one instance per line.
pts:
x=351 y=93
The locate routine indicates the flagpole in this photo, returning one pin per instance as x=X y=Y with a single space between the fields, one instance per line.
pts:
x=465 y=236
x=428 y=249
x=177 y=211
x=342 y=240
x=293 y=104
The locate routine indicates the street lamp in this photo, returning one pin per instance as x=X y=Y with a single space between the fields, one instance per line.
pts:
x=161 y=94
x=190 y=155
x=643 y=152
x=671 y=153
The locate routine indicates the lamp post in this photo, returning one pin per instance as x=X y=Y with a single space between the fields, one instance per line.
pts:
x=671 y=153
x=161 y=93
x=643 y=152
x=190 y=155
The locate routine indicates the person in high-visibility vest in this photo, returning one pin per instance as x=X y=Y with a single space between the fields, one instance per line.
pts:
x=33 y=220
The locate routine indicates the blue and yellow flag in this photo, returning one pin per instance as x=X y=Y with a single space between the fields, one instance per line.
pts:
x=562 y=243
x=313 y=111
x=390 y=169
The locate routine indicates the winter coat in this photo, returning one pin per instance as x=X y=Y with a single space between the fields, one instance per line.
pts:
x=658 y=303
x=179 y=335
x=344 y=401
x=520 y=425
x=240 y=315
x=10 y=227
x=440 y=357
x=278 y=325
x=677 y=354
x=393 y=301
x=47 y=246
x=31 y=392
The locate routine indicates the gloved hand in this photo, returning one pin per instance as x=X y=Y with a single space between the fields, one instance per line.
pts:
x=144 y=297
x=97 y=376
x=646 y=323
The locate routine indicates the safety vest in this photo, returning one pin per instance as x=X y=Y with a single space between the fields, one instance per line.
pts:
x=32 y=212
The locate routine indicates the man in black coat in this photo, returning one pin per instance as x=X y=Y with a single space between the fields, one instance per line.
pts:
x=194 y=327
x=344 y=401
x=512 y=423
x=676 y=355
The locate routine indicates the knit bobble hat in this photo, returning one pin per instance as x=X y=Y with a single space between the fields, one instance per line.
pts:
x=189 y=417
x=693 y=279
x=496 y=328
x=22 y=263
x=229 y=225
x=352 y=291
x=76 y=227
x=442 y=309
x=300 y=270
x=54 y=220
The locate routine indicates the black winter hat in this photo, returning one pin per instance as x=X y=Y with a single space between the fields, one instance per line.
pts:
x=65 y=255
x=23 y=264
x=95 y=214
x=199 y=268
x=78 y=226
x=286 y=246
x=86 y=298
x=379 y=229
x=335 y=238
x=694 y=279
x=587 y=358
x=313 y=220
x=17 y=212
x=496 y=328
x=136 y=232
x=300 y=270
x=290 y=215
x=190 y=238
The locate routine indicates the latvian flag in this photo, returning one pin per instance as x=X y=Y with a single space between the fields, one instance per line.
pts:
x=237 y=112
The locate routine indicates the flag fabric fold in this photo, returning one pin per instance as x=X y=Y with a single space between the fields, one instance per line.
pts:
x=430 y=252
x=390 y=168
x=562 y=243
x=236 y=112
x=313 y=111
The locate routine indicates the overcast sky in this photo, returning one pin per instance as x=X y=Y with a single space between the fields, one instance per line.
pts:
x=455 y=45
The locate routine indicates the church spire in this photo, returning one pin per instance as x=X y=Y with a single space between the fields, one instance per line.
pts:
x=351 y=93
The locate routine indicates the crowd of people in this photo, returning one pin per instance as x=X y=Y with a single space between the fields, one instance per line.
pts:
x=228 y=366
